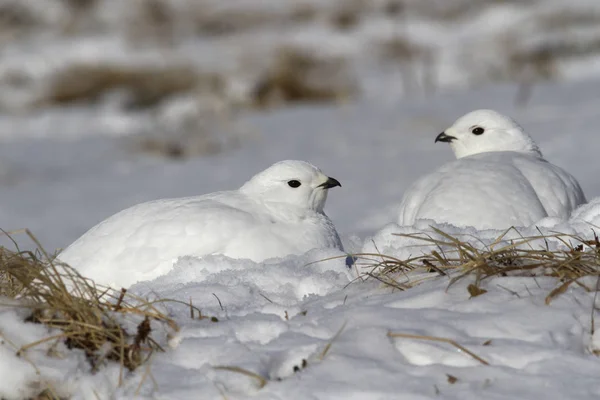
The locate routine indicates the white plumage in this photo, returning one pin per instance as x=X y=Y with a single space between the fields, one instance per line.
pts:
x=276 y=213
x=500 y=179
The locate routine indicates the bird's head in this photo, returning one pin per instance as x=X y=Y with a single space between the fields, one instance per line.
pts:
x=483 y=131
x=292 y=182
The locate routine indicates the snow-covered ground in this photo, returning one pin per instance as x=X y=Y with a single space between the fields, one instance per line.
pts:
x=63 y=168
x=309 y=335
x=534 y=350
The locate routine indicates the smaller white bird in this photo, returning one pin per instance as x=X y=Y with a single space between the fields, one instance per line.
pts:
x=500 y=179
x=276 y=213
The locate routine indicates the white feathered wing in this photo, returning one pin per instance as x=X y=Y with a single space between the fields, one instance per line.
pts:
x=143 y=241
x=492 y=190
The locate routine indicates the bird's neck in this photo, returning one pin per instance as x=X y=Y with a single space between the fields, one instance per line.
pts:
x=532 y=150
x=285 y=212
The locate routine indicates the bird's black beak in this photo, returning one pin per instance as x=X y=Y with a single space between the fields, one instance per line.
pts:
x=329 y=183
x=442 y=137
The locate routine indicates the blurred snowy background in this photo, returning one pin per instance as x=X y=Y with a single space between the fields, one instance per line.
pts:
x=107 y=103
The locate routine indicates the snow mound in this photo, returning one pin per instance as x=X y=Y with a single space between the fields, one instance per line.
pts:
x=338 y=344
x=588 y=213
x=225 y=287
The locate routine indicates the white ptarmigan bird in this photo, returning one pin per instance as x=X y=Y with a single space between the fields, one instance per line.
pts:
x=500 y=179
x=277 y=212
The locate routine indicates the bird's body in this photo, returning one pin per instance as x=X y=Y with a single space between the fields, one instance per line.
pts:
x=258 y=221
x=491 y=189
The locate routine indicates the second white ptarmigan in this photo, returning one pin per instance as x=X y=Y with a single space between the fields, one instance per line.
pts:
x=500 y=179
x=277 y=212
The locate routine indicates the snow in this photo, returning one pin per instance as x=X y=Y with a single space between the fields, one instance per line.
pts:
x=363 y=362
x=64 y=168
x=25 y=376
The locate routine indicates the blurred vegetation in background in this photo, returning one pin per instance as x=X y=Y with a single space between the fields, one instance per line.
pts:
x=185 y=67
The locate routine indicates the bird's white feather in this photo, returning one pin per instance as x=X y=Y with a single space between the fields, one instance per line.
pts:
x=265 y=219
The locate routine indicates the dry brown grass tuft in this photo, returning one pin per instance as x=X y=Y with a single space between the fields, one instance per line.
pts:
x=153 y=21
x=393 y=8
x=301 y=75
x=416 y=63
x=197 y=141
x=144 y=85
x=457 y=259
x=303 y=12
x=220 y=21
x=180 y=146
x=347 y=14
x=556 y=20
x=15 y=21
x=189 y=126
x=81 y=4
x=86 y=316
x=15 y=15
x=215 y=19
x=529 y=67
x=399 y=49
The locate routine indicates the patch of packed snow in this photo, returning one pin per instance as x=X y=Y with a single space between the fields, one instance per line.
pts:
x=276 y=320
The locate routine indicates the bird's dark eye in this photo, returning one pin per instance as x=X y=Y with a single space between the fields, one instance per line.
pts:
x=294 y=183
x=477 y=130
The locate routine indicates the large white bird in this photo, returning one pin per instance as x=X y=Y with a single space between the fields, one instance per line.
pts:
x=277 y=212
x=500 y=179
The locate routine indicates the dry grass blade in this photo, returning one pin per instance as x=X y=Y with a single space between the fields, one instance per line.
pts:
x=558 y=291
x=438 y=339
x=328 y=346
x=574 y=257
x=302 y=75
x=475 y=291
x=592 y=319
x=88 y=317
x=261 y=380
x=145 y=376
